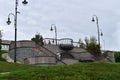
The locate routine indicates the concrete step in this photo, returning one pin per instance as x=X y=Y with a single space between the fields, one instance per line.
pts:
x=68 y=61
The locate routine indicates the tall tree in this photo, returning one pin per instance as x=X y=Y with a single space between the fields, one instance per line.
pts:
x=91 y=45
x=81 y=43
x=86 y=42
x=38 y=39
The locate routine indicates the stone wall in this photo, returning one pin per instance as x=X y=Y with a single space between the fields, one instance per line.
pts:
x=111 y=56
x=40 y=60
x=25 y=49
x=22 y=44
x=23 y=53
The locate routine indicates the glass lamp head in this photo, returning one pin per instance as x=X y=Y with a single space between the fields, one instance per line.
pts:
x=8 y=22
x=93 y=20
x=24 y=2
x=51 y=29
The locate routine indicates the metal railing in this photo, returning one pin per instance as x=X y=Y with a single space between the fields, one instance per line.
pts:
x=53 y=54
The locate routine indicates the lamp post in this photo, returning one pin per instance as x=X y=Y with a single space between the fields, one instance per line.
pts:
x=93 y=20
x=15 y=22
x=55 y=32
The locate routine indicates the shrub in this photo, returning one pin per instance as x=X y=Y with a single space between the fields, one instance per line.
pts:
x=38 y=39
x=117 y=56
x=105 y=54
x=91 y=45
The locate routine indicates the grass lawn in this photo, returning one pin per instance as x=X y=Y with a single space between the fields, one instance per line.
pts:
x=79 y=71
x=8 y=67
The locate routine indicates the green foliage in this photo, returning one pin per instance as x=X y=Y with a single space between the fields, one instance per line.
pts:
x=91 y=45
x=86 y=41
x=117 y=56
x=105 y=54
x=81 y=44
x=8 y=67
x=1 y=59
x=79 y=71
x=38 y=39
x=4 y=51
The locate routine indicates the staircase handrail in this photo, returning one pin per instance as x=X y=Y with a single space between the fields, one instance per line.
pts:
x=53 y=54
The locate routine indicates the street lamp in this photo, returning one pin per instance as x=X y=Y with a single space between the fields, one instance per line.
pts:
x=24 y=2
x=15 y=22
x=93 y=20
x=55 y=32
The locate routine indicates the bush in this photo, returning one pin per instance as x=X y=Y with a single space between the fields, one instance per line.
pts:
x=117 y=56
x=91 y=45
x=105 y=54
x=38 y=39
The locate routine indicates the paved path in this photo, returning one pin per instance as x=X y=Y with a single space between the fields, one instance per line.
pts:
x=6 y=56
x=8 y=59
x=4 y=73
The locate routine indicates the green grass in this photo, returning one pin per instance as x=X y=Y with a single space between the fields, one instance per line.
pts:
x=79 y=71
x=8 y=67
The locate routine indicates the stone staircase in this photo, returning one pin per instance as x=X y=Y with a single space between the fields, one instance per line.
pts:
x=71 y=56
x=30 y=51
x=66 y=58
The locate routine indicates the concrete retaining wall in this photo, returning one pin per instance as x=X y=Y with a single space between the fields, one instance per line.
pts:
x=21 y=44
x=40 y=60
x=25 y=49
x=23 y=53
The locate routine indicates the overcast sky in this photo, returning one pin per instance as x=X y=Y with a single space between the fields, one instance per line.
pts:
x=71 y=17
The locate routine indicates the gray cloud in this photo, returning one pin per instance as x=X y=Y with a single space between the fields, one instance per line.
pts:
x=72 y=18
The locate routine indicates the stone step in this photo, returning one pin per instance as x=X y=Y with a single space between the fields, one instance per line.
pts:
x=68 y=61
